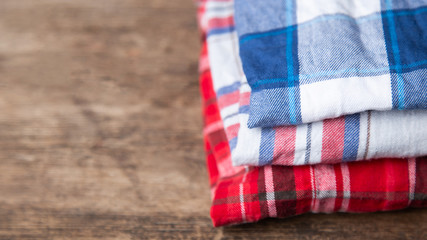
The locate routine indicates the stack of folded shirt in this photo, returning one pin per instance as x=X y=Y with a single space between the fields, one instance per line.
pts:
x=297 y=93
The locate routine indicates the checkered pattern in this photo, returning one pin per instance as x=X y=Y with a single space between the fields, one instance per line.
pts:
x=355 y=137
x=309 y=60
x=248 y=194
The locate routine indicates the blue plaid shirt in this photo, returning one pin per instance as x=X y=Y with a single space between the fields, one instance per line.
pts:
x=308 y=60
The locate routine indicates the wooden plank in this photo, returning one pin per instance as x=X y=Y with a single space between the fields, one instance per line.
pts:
x=100 y=133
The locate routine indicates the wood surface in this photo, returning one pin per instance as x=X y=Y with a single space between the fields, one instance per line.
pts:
x=100 y=130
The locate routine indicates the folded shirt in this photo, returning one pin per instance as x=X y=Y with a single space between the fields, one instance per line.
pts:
x=361 y=136
x=309 y=60
x=248 y=194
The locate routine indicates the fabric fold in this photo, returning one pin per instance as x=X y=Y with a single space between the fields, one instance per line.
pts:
x=242 y=194
x=310 y=60
x=367 y=135
x=248 y=194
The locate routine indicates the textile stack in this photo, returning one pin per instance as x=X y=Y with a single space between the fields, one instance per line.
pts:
x=313 y=106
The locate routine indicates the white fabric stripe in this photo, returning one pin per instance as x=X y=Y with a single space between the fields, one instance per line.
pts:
x=362 y=135
x=249 y=140
x=219 y=4
x=346 y=188
x=313 y=189
x=224 y=37
x=412 y=178
x=228 y=112
x=352 y=8
x=242 y=202
x=247 y=149
x=242 y=195
x=316 y=142
x=344 y=96
x=227 y=12
x=244 y=88
x=231 y=121
x=300 y=144
x=219 y=9
x=392 y=131
x=224 y=66
x=269 y=188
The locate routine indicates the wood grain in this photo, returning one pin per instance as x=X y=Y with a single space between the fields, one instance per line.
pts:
x=100 y=130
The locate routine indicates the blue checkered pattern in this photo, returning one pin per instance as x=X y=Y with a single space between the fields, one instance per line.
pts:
x=284 y=47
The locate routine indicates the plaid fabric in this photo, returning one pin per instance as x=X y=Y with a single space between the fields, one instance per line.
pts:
x=248 y=194
x=309 y=60
x=356 y=137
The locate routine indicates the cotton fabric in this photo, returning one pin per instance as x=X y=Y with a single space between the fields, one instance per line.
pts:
x=362 y=136
x=309 y=60
x=248 y=194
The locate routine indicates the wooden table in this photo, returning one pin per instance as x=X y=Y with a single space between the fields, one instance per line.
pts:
x=100 y=130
